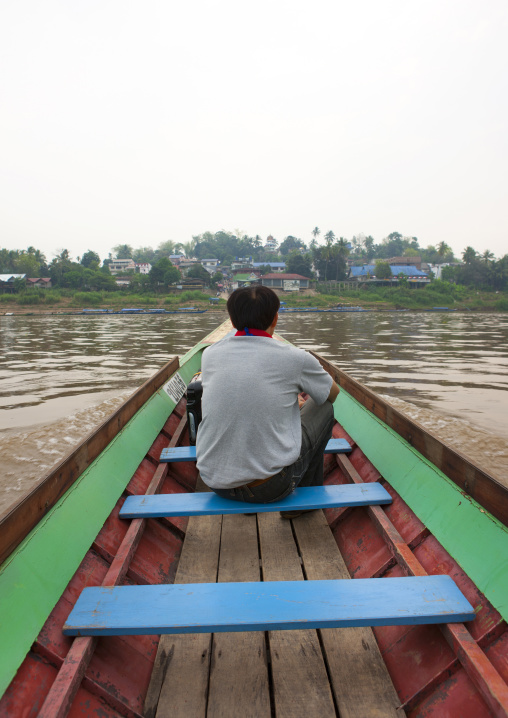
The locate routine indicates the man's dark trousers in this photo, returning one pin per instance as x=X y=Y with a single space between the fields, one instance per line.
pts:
x=317 y=424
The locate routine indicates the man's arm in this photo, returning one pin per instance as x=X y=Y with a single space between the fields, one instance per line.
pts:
x=334 y=392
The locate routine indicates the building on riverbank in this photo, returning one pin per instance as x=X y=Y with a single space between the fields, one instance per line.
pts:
x=8 y=282
x=366 y=274
x=121 y=265
x=284 y=281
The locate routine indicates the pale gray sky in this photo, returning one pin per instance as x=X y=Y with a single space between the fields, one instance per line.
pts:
x=137 y=122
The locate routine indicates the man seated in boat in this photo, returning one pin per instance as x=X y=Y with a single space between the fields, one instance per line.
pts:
x=255 y=443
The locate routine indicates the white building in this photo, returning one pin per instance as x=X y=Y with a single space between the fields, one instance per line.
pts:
x=438 y=268
x=121 y=265
x=143 y=267
x=271 y=244
x=210 y=265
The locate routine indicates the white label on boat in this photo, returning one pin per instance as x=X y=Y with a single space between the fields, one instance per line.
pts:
x=176 y=388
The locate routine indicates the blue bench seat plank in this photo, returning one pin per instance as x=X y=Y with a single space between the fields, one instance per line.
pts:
x=178 y=453
x=277 y=605
x=188 y=453
x=338 y=446
x=209 y=504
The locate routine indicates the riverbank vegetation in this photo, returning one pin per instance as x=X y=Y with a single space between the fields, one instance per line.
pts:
x=478 y=281
x=436 y=294
x=68 y=299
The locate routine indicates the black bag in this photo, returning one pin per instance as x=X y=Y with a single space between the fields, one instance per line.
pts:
x=194 y=394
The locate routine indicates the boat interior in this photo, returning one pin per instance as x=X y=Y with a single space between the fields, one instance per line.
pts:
x=449 y=669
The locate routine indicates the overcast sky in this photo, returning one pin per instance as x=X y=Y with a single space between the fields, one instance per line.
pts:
x=134 y=122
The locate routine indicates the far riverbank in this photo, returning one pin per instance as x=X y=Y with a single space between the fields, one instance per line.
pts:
x=439 y=296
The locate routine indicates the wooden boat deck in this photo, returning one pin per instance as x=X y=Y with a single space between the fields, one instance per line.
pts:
x=283 y=673
x=437 y=671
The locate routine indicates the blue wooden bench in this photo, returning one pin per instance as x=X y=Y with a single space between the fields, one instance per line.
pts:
x=188 y=453
x=277 y=605
x=208 y=503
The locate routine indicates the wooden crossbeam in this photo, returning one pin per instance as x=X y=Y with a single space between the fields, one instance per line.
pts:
x=273 y=605
x=188 y=453
x=209 y=504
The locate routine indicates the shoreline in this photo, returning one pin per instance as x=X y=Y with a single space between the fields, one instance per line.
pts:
x=216 y=310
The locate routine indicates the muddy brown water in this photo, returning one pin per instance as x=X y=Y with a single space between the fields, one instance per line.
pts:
x=60 y=376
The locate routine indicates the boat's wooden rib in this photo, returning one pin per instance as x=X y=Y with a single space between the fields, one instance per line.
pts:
x=17 y=522
x=478 y=484
x=478 y=667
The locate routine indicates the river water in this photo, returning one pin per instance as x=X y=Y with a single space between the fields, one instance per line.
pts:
x=60 y=376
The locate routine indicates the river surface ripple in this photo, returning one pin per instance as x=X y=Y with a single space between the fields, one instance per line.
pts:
x=60 y=376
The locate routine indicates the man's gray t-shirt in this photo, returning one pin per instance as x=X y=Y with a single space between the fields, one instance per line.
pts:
x=251 y=425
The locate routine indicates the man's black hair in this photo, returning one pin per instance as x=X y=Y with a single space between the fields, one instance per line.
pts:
x=253 y=307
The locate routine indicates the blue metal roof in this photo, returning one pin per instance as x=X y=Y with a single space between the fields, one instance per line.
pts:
x=409 y=271
x=269 y=264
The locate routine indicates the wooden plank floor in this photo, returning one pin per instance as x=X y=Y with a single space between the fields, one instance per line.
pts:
x=286 y=674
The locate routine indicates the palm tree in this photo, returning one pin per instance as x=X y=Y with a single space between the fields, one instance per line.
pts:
x=340 y=252
x=188 y=247
x=443 y=249
x=315 y=233
x=327 y=250
x=469 y=255
x=487 y=255
x=166 y=248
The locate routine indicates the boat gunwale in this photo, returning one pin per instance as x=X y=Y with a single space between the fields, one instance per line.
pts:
x=483 y=488
x=24 y=515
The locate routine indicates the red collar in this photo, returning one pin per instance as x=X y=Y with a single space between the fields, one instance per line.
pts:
x=253 y=333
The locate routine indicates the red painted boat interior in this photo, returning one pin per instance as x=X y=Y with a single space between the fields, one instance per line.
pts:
x=436 y=672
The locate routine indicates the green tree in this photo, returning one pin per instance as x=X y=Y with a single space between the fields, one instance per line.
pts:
x=216 y=278
x=443 y=250
x=265 y=269
x=60 y=266
x=339 y=252
x=27 y=264
x=103 y=281
x=290 y=243
x=297 y=263
x=469 y=255
x=123 y=251
x=140 y=283
x=369 y=247
x=74 y=278
x=18 y=285
x=315 y=234
x=143 y=254
x=172 y=276
x=91 y=260
x=165 y=249
x=163 y=273
x=382 y=270
x=394 y=246
x=187 y=247
x=199 y=272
